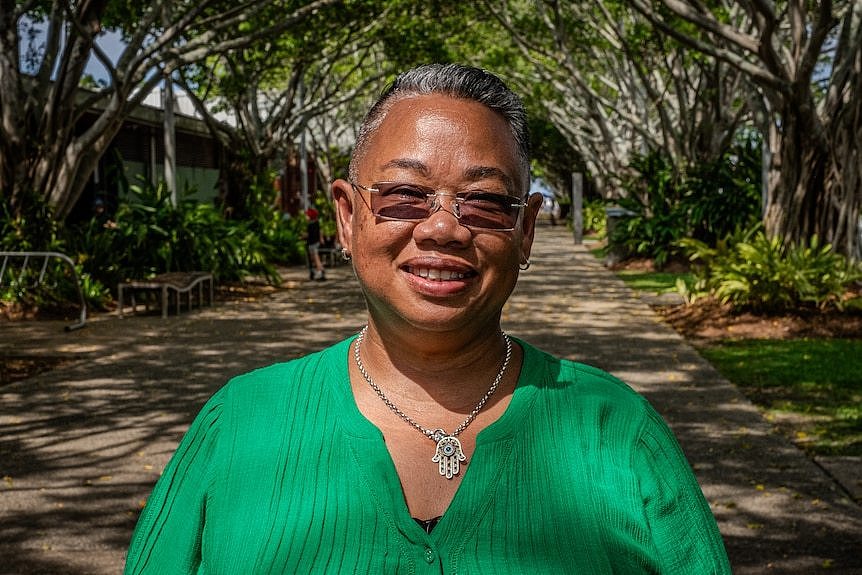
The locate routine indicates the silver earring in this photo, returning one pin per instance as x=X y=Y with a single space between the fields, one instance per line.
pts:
x=523 y=266
x=345 y=254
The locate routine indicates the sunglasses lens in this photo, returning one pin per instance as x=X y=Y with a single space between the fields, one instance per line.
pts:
x=400 y=202
x=409 y=202
x=489 y=211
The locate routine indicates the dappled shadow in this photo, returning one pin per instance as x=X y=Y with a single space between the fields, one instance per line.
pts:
x=81 y=446
x=778 y=512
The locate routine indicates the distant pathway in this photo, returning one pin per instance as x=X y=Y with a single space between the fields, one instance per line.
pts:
x=81 y=446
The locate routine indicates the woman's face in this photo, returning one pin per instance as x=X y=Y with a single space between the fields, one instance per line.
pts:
x=436 y=274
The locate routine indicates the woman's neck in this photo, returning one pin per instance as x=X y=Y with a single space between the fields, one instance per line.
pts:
x=452 y=370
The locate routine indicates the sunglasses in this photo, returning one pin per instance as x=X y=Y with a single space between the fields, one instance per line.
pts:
x=413 y=203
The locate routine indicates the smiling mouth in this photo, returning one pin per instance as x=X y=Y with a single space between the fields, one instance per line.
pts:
x=436 y=274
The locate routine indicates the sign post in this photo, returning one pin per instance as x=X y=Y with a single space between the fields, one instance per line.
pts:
x=578 y=207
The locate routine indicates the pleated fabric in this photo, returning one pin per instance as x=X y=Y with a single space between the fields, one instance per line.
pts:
x=281 y=473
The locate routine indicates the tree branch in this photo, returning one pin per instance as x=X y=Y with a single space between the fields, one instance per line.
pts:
x=769 y=78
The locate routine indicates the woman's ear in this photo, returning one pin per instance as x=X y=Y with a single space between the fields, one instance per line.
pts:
x=342 y=195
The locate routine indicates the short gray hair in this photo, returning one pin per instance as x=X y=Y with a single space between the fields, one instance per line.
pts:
x=457 y=81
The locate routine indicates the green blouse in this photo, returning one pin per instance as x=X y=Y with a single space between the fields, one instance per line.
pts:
x=281 y=473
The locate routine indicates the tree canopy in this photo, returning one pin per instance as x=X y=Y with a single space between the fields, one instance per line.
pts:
x=42 y=153
x=606 y=81
x=805 y=59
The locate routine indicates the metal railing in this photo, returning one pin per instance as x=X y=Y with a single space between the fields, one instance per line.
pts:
x=24 y=262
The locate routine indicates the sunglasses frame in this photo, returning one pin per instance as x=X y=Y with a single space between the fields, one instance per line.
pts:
x=518 y=204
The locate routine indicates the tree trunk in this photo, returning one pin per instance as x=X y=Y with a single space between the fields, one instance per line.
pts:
x=815 y=180
x=241 y=174
x=43 y=153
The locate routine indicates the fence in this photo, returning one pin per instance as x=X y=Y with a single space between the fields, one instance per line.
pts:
x=29 y=270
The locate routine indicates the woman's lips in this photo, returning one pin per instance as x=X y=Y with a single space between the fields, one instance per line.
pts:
x=439 y=271
x=436 y=274
x=439 y=280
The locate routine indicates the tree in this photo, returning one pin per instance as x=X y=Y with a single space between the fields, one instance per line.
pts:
x=806 y=60
x=269 y=93
x=45 y=152
x=331 y=134
x=616 y=89
x=553 y=157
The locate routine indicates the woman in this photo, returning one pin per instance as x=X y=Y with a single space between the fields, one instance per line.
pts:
x=431 y=442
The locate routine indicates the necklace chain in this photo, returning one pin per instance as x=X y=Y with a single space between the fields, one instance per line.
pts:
x=434 y=434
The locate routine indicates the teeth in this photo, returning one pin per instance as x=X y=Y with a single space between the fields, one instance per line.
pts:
x=438 y=275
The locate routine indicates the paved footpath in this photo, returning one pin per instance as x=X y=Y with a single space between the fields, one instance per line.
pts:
x=82 y=445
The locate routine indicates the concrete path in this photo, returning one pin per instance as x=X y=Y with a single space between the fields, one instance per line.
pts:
x=82 y=445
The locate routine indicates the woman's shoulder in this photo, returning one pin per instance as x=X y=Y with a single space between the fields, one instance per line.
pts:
x=566 y=375
x=300 y=375
x=579 y=392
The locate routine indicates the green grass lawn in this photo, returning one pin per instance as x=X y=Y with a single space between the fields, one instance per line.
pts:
x=652 y=282
x=599 y=252
x=812 y=389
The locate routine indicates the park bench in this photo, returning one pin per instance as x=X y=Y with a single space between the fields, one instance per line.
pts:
x=29 y=270
x=168 y=287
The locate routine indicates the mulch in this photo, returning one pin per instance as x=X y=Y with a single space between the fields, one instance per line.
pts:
x=708 y=320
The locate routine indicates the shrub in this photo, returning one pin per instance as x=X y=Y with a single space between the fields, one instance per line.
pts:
x=724 y=195
x=282 y=237
x=750 y=270
x=51 y=288
x=280 y=234
x=32 y=228
x=706 y=201
x=36 y=229
x=657 y=219
x=151 y=236
x=594 y=217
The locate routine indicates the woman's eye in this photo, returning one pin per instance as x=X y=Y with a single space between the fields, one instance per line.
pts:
x=406 y=191
x=488 y=200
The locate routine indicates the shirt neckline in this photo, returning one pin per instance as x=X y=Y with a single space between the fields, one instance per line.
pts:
x=378 y=470
x=356 y=424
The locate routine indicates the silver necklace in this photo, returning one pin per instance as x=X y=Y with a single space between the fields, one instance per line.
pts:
x=449 y=454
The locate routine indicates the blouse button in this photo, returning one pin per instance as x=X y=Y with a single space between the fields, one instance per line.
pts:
x=429 y=555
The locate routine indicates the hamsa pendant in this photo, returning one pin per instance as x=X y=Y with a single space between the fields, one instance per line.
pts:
x=449 y=456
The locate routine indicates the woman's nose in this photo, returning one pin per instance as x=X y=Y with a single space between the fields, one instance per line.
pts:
x=442 y=226
x=437 y=205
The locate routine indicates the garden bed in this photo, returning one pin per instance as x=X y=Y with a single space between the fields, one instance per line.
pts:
x=800 y=369
x=707 y=320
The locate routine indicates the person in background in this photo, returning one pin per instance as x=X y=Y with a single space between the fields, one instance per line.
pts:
x=312 y=244
x=431 y=441
x=101 y=217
